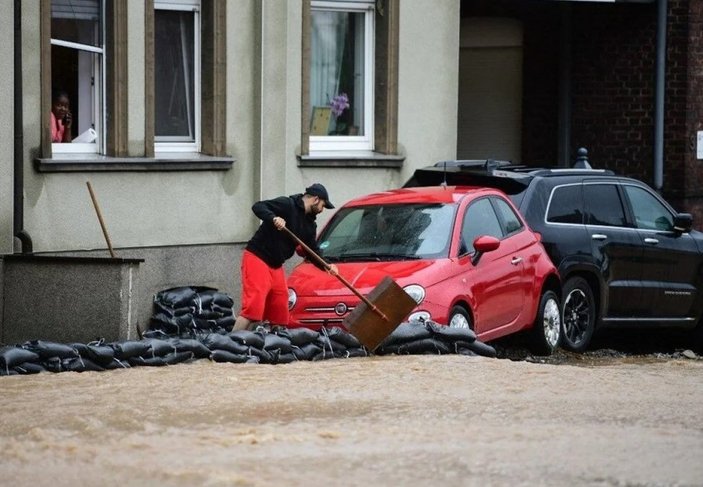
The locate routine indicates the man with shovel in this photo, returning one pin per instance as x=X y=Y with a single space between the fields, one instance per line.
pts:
x=264 y=289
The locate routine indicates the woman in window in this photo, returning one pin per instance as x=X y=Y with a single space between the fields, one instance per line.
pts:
x=60 y=117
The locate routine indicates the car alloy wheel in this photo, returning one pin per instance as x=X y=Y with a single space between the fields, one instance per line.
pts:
x=547 y=327
x=459 y=318
x=579 y=314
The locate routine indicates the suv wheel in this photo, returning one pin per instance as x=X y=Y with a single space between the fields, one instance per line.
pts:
x=579 y=314
x=459 y=318
x=547 y=327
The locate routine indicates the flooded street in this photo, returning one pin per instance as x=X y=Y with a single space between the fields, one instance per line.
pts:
x=395 y=420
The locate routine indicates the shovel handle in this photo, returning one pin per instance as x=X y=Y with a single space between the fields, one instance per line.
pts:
x=324 y=264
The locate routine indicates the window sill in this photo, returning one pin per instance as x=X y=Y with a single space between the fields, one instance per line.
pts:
x=350 y=159
x=162 y=162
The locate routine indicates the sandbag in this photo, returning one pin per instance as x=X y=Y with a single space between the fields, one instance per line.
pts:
x=342 y=336
x=481 y=349
x=275 y=342
x=100 y=354
x=28 y=368
x=330 y=345
x=11 y=356
x=80 y=365
x=225 y=356
x=306 y=351
x=246 y=337
x=47 y=349
x=131 y=348
x=423 y=346
x=197 y=348
x=451 y=334
x=406 y=332
x=159 y=348
x=301 y=336
x=215 y=341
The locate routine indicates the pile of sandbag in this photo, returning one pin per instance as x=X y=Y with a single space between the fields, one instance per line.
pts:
x=186 y=308
x=270 y=346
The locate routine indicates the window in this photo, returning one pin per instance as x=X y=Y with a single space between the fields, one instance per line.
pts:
x=342 y=75
x=479 y=220
x=649 y=212
x=603 y=206
x=177 y=75
x=510 y=219
x=565 y=205
x=77 y=81
x=407 y=231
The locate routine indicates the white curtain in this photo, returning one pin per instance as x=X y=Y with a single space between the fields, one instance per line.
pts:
x=328 y=36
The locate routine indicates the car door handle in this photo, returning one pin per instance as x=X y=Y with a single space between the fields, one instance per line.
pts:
x=516 y=260
x=652 y=241
x=598 y=236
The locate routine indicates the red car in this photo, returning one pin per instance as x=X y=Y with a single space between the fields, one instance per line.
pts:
x=463 y=253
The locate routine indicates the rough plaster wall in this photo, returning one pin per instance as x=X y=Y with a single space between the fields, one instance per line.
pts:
x=6 y=131
x=428 y=83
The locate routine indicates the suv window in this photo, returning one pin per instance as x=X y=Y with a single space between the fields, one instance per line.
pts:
x=603 y=206
x=565 y=205
x=649 y=212
x=511 y=220
x=479 y=219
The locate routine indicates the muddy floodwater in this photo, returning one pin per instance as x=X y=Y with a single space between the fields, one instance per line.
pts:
x=395 y=420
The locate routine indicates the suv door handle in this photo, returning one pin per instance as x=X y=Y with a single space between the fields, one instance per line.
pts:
x=652 y=241
x=599 y=236
x=516 y=260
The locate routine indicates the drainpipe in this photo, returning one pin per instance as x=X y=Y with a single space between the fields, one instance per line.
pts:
x=18 y=192
x=659 y=86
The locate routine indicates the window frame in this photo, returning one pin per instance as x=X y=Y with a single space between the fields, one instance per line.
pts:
x=162 y=144
x=384 y=152
x=352 y=143
x=98 y=89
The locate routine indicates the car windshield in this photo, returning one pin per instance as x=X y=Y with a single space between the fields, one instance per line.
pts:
x=388 y=232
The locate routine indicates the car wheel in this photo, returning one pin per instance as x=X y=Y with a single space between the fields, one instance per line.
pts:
x=547 y=327
x=459 y=318
x=579 y=314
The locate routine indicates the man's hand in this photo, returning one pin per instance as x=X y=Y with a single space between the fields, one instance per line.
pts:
x=278 y=222
x=333 y=270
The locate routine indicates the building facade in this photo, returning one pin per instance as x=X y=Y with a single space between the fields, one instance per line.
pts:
x=185 y=112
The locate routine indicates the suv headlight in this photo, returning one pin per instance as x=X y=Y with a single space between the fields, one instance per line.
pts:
x=416 y=292
x=292 y=298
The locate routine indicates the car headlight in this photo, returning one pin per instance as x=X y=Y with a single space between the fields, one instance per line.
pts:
x=292 y=298
x=416 y=292
x=422 y=316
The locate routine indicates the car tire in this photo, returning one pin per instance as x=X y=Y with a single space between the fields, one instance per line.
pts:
x=578 y=314
x=459 y=318
x=547 y=329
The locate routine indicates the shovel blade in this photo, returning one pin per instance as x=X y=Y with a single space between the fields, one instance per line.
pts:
x=367 y=325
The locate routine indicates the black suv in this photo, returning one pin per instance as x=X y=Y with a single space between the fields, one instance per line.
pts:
x=624 y=255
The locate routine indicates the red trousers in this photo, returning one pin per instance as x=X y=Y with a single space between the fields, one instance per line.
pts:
x=264 y=291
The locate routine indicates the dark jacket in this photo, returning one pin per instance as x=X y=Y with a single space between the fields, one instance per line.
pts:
x=274 y=246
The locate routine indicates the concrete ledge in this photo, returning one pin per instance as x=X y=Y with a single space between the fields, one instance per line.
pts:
x=67 y=299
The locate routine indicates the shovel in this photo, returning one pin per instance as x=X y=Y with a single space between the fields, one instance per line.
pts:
x=378 y=314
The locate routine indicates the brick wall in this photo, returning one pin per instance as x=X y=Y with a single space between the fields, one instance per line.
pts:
x=613 y=83
x=692 y=198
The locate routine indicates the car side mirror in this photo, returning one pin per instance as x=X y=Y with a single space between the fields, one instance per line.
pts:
x=483 y=244
x=683 y=222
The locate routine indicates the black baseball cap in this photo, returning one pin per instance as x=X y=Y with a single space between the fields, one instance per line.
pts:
x=316 y=189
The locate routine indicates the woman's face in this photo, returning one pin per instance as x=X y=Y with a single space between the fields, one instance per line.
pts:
x=60 y=106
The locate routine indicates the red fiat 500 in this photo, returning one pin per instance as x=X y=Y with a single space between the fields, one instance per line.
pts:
x=463 y=253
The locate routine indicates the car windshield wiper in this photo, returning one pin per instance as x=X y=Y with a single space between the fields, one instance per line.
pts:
x=377 y=256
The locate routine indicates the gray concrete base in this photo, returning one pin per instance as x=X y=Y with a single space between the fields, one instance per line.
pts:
x=159 y=268
x=68 y=299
